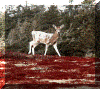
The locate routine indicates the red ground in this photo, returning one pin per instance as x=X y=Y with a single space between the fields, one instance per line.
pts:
x=2 y=72
x=27 y=69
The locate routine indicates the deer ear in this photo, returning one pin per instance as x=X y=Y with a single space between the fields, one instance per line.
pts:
x=54 y=26
x=61 y=26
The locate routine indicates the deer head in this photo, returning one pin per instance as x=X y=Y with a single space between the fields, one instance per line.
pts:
x=58 y=28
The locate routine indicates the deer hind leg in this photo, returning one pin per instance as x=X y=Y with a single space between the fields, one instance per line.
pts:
x=33 y=47
x=46 y=48
x=30 y=46
x=56 y=49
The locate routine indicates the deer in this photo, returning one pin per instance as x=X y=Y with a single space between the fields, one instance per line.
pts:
x=45 y=38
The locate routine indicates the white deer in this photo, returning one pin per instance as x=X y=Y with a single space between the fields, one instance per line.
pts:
x=45 y=38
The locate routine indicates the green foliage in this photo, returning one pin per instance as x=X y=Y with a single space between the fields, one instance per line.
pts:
x=70 y=1
x=88 y=1
x=49 y=17
x=2 y=24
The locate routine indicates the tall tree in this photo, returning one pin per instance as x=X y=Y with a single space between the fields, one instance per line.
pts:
x=88 y=1
x=52 y=16
x=70 y=1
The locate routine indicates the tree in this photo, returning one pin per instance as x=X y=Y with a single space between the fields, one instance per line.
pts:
x=2 y=25
x=88 y=1
x=49 y=17
x=81 y=37
x=70 y=1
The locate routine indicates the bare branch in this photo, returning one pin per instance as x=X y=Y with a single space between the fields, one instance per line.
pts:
x=70 y=28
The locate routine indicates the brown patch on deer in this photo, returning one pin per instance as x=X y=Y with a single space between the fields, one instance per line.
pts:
x=53 y=38
x=46 y=39
x=38 y=41
x=32 y=46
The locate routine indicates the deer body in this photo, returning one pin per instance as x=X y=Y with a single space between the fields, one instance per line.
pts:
x=45 y=38
x=41 y=37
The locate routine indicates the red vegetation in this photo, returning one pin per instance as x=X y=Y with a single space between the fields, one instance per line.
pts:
x=2 y=72
x=27 y=69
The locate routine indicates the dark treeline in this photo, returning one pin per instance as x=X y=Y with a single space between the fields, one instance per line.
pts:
x=77 y=38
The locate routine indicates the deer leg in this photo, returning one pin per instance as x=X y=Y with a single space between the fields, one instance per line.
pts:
x=46 y=48
x=33 y=47
x=56 y=49
x=33 y=51
x=30 y=45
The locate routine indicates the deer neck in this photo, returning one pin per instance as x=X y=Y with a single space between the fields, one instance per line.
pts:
x=54 y=38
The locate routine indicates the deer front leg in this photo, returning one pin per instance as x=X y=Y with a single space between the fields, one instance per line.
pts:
x=30 y=46
x=46 y=48
x=55 y=47
x=33 y=51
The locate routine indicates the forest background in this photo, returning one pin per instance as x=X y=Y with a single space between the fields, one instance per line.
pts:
x=77 y=38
